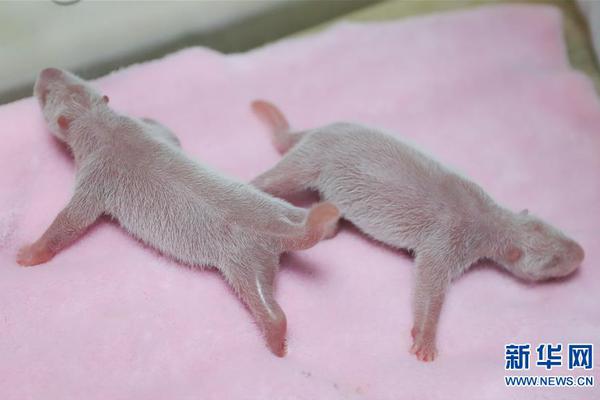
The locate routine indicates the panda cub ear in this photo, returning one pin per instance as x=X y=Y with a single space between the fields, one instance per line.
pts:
x=105 y=99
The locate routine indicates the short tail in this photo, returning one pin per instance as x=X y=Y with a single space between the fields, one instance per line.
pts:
x=322 y=219
x=282 y=138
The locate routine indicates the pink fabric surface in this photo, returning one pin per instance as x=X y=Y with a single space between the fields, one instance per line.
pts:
x=487 y=91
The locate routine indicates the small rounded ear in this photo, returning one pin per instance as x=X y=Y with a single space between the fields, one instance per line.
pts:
x=513 y=254
x=105 y=99
x=63 y=122
x=524 y=212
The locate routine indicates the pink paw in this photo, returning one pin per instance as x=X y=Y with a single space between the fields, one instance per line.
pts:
x=278 y=346
x=424 y=349
x=275 y=335
x=414 y=332
x=331 y=231
x=33 y=254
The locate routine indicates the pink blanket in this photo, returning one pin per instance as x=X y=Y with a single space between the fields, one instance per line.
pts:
x=487 y=91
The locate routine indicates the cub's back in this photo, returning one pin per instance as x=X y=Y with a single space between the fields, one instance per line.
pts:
x=388 y=188
x=164 y=198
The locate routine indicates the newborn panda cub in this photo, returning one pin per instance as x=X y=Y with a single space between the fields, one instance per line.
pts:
x=401 y=197
x=135 y=171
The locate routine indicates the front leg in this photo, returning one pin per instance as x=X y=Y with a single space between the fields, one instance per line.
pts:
x=432 y=280
x=68 y=225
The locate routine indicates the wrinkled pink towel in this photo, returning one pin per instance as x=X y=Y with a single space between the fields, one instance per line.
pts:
x=488 y=91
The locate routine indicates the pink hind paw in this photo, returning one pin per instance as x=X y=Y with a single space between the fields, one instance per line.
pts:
x=275 y=335
x=34 y=254
x=331 y=231
x=425 y=350
x=326 y=216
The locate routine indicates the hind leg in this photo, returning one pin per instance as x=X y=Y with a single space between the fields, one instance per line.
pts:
x=292 y=174
x=254 y=285
x=429 y=293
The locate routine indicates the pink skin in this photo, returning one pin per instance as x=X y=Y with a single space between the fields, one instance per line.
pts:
x=403 y=198
x=134 y=170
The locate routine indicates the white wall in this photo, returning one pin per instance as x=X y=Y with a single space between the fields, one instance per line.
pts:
x=34 y=35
